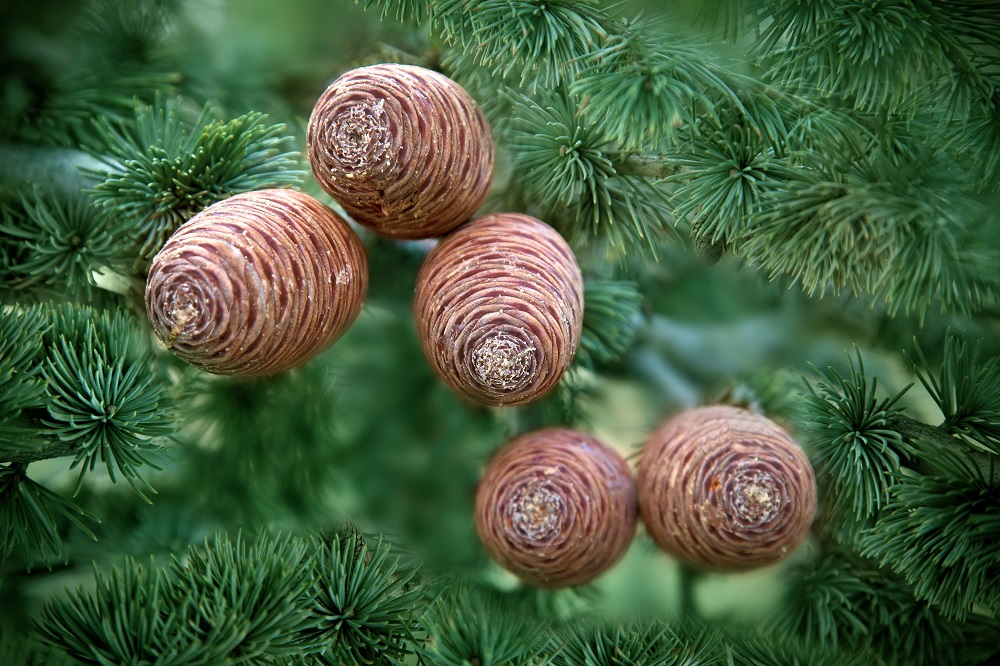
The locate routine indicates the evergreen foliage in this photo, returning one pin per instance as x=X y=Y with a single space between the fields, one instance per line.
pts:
x=637 y=641
x=610 y=320
x=29 y=514
x=161 y=172
x=771 y=653
x=836 y=161
x=569 y=173
x=924 y=497
x=78 y=384
x=365 y=603
x=940 y=533
x=880 y=55
x=105 y=402
x=542 y=39
x=642 y=81
x=274 y=599
x=85 y=62
x=855 y=449
x=61 y=243
x=843 y=600
x=21 y=381
x=235 y=425
x=967 y=391
x=26 y=652
x=482 y=627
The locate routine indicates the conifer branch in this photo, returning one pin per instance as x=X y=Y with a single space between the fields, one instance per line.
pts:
x=22 y=384
x=861 y=444
x=646 y=165
x=841 y=600
x=104 y=57
x=930 y=527
x=640 y=82
x=28 y=517
x=937 y=532
x=966 y=389
x=82 y=385
x=878 y=55
x=540 y=42
x=159 y=171
x=857 y=454
x=823 y=604
x=66 y=117
x=592 y=641
x=610 y=320
x=469 y=625
x=52 y=449
x=933 y=442
x=566 y=165
x=272 y=599
x=64 y=242
x=916 y=431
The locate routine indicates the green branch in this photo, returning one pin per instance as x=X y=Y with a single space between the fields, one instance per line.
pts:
x=842 y=601
x=566 y=166
x=941 y=443
x=29 y=519
x=916 y=431
x=937 y=531
x=157 y=170
x=856 y=454
x=646 y=165
x=78 y=382
x=53 y=448
x=62 y=242
x=269 y=599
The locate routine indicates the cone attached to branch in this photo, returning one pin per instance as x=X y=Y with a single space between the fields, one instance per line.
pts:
x=499 y=309
x=557 y=507
x=726 y=489
x=405 y=150
x=257 y=284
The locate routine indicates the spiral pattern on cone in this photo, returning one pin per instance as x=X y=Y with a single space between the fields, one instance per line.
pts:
x=499 y=309
x=405 y=150
x=726 y=489
x=257 y=283
x=556 y=507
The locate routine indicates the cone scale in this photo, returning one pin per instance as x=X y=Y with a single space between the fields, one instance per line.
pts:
x=405 y=150
x=499 y=309
x=257 y=284
x=725 y=489
x=556 y=507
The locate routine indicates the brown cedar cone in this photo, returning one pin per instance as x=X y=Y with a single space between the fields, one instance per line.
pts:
x=499 y=309
x=403 y=149
x=556 y=507
x=257 y=283
x=726 y=489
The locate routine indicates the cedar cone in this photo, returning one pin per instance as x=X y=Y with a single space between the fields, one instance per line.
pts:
x=403 y=149
x=499 y=309
x=556 y=507
x=257 y=283
x=726 y=489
